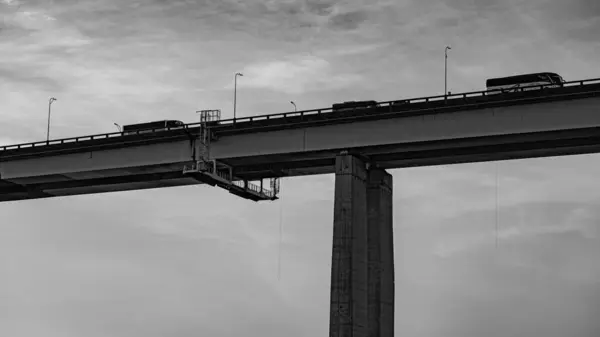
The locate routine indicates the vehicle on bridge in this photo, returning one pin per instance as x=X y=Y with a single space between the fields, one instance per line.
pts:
x=354 y=105
x=132 y=129
x=532 y=81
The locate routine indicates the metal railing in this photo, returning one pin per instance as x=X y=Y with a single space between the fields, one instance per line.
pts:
x=208 y=167
x=223 y=174
x=254 y=188
x=428 y=99
x=324 y=111
x=88 y=138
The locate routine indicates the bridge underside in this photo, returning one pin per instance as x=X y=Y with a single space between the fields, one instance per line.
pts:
x=64 y=186
x=526 y=145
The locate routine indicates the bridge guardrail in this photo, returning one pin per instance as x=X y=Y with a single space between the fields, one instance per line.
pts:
x=422 y=110
x=426 y=99
x=323 y=111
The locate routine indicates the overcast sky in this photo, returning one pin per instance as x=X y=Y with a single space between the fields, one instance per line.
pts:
x=197 y=261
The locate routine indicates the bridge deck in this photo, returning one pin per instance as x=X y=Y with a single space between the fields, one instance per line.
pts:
x=310 y=118
x=464 y=128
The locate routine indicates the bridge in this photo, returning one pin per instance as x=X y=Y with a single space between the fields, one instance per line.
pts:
x=357 y=145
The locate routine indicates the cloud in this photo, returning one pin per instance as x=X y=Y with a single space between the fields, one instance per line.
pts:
x=320 y=7
x=135 y=267
x=27 y=77
x=295 y=75
x=18 y=16
x=349 y=20
x=509 y=232
x=174 y=261
x=353 y=49
x=12 y=141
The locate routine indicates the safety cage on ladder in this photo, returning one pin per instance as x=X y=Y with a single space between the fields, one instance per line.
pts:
x=207 y=119
x=208 y=116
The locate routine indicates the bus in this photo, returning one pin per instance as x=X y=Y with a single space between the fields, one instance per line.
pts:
x=149 y=126
x=354 y=105
x=512 y=83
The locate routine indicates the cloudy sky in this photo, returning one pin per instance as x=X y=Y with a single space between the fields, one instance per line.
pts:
x=192 y=261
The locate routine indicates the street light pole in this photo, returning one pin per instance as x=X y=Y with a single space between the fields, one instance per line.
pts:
x=52 y=99
x=294 y=104
x=235 y=92
x=118 y=127
x=446 y=70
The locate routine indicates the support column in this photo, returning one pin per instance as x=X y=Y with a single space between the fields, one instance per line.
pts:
x=362 y=271
x=349 y=270
x=380 y=253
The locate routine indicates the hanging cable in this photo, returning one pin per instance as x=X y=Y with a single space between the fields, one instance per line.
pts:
x=280 y=237
x=497 y=206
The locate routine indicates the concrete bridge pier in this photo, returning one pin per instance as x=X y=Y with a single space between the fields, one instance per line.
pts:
x=362 y=272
